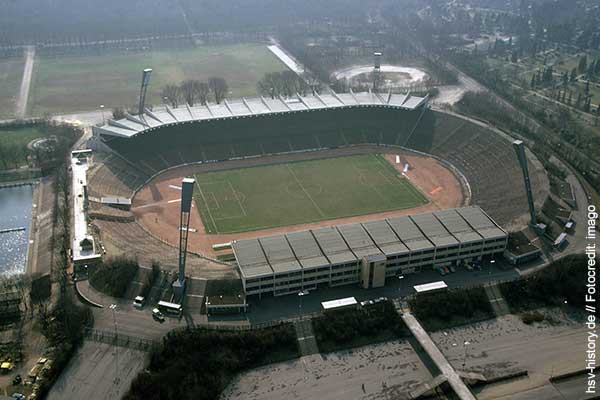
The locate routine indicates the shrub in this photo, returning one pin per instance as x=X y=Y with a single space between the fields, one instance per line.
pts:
x=563 y=280
x=529 y=318
x=114 y=276
x=452 y=307
x=342 y=329
x=198 y=364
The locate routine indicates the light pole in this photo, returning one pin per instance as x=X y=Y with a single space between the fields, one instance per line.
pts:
x=113 y=307
x=400 y=277
x=300 y=295
x=466 y=343
x=102 y=111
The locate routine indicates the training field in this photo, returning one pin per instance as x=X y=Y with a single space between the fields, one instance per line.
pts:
x=72 y=83
x=288 y=194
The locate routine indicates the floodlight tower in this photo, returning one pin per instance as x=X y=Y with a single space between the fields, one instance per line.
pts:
x=145 y=82
x=376 y=70
x=187 y=190
x=520 y=149
x=377 y=60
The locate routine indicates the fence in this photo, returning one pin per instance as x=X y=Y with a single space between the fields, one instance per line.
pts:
x=120 y=340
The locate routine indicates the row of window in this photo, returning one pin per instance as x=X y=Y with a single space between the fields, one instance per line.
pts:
x=324 y=272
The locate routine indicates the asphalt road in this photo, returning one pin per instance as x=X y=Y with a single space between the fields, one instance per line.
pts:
x=91 y=373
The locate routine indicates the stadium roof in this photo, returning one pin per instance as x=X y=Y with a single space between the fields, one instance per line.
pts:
x=434 y=230
x=385 y=238
x=410 y=234
x=238 y=108
x=456 y=225
x=306 y=249
x=358 y=240
x=333 y=245
x=279 y=254
x=481 y=222
x=251 y=258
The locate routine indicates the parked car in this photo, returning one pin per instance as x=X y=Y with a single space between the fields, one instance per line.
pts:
x=441 y=271
x=138 y=302
x=157 y=315
x=446 y=270
x=452 y=269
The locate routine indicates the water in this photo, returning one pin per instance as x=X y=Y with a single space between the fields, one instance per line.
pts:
x=15 y=212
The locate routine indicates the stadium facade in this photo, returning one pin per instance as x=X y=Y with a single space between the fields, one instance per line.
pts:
x=366 y=253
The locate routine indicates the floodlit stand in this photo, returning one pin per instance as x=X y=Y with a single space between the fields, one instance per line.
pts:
x=187 y=190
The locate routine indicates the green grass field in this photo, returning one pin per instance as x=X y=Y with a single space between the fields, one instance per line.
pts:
x=20 y=136
x=15 y=140
x=81 y=83
x=289 y=194
x=11 y=73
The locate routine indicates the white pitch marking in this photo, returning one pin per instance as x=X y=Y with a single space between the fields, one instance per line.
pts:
x=174 y=201
x=175 y=187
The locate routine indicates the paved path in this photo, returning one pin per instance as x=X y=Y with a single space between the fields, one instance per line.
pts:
x=26 y=82
x=496 y=299
x=92 y=371
x=306 y=337
x=438 y=358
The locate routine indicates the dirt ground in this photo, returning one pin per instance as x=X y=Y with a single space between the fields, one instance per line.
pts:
x=157 y=205
x=388 y=370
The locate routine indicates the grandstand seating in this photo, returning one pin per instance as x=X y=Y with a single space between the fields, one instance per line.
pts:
x=485 y=158
x=114 y=177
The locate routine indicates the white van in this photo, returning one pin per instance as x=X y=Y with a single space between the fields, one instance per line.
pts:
x=138 y=302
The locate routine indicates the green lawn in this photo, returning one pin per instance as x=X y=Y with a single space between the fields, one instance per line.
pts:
x=13 y=146
x=80 y=83
x=288 y=194
x=20 y=136
x=11 y=73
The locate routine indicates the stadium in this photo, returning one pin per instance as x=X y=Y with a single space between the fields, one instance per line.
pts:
x=274 y=177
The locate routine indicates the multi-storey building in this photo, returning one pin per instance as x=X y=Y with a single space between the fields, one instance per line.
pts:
x=366 y=253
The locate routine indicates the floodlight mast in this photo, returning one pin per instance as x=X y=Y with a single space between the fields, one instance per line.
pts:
x=520 y=149
x=187 y=191
x=145 y=82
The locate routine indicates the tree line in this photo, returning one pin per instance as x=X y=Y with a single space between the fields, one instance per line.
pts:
x=197 y=364
x=193 y=91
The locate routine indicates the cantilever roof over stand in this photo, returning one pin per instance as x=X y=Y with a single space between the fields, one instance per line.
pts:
x=131 y=125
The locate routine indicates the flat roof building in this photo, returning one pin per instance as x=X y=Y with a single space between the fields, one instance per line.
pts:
x=366 y=253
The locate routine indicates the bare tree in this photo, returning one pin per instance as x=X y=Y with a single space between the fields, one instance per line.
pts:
x=118 y=113
x=219 y=88
x=202 y=91
x=270 y=84
x=188 y=91
x=171 y=94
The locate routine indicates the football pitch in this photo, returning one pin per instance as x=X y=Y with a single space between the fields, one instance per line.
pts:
x=278 y=195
